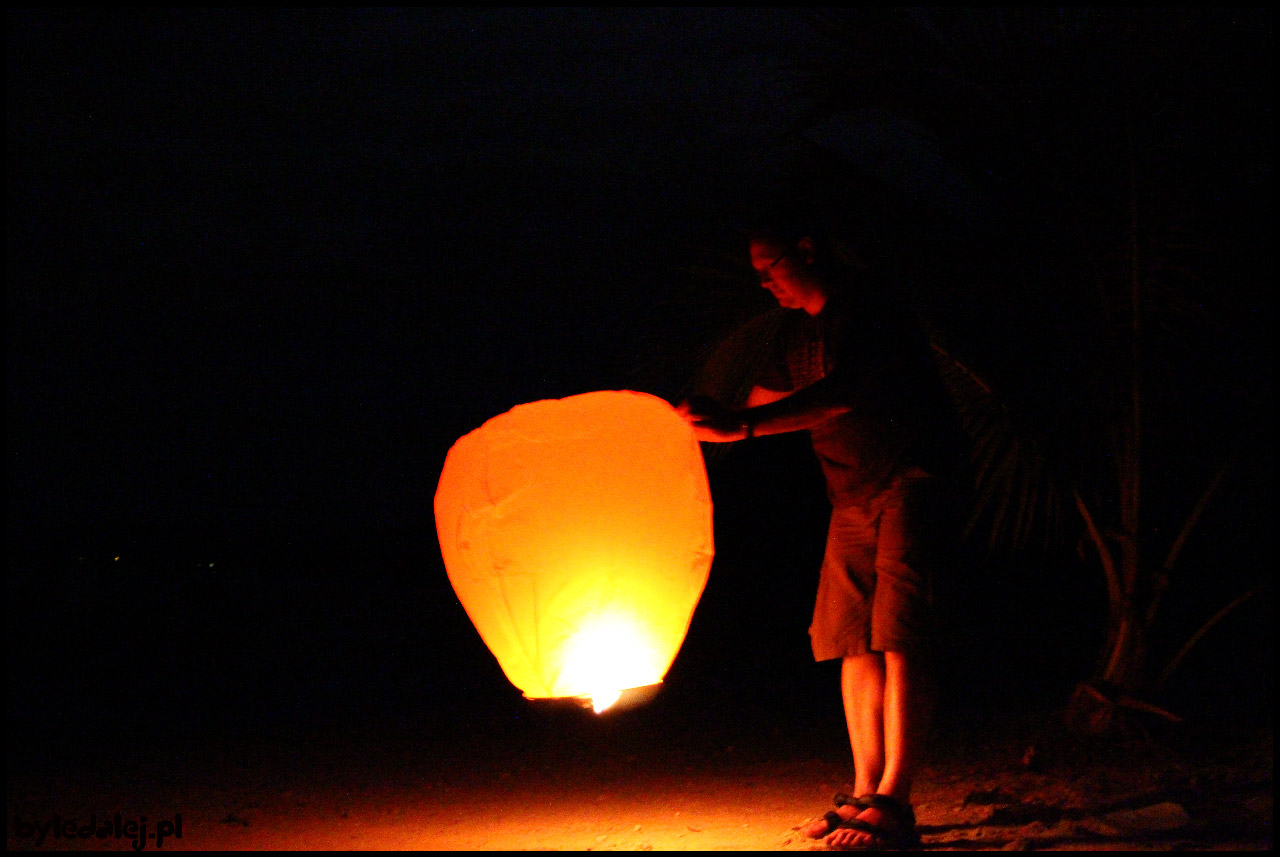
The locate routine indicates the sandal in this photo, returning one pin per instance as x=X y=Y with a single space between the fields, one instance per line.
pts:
x=834 y=819
x=899 y=834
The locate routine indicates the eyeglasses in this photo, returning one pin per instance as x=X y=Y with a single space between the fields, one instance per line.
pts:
x=765 y=276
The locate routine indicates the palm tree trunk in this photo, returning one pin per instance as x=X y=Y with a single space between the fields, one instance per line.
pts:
x=1127 y=659
x=1123 y=663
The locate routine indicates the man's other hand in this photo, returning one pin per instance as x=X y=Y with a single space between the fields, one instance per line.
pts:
x=712 y=421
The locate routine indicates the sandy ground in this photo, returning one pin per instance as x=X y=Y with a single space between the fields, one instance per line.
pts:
x=1014 y=783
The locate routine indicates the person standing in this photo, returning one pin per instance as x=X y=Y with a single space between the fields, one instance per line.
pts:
x=854 y=369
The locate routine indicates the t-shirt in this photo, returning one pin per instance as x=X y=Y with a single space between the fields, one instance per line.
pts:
x=902 y=417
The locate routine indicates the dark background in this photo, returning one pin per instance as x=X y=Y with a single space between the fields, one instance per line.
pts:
x=265 y=267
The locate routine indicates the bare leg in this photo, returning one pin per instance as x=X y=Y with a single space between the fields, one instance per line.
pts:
x=908 y=707
x=908 y=696
x=862 y=688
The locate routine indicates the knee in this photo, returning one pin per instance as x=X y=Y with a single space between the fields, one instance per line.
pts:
x=867 y=663
x=912 y=665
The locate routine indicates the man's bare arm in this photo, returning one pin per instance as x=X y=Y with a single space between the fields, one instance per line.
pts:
x=760 y=396
x=803 y=409
x=768 y=412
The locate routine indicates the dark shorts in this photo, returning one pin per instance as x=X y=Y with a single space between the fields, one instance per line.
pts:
x=878 y=588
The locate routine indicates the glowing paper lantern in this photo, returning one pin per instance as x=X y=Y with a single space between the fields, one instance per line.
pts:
x=577 y=535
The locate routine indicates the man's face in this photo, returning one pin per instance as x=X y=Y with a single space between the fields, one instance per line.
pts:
x=784 y=269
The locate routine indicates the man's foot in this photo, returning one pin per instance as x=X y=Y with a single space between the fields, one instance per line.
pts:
x=847 y=808
x=884 y=824
x=820 y=827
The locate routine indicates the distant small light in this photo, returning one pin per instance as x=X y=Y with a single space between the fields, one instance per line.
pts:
x=117 y=559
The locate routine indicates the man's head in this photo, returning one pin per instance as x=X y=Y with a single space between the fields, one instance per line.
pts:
x=789 y=266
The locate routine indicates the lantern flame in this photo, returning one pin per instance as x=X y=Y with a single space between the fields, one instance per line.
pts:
x=604 y=699
x=606 y=655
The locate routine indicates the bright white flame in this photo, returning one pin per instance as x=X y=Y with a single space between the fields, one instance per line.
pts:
x=606 y=656
x=603 y=699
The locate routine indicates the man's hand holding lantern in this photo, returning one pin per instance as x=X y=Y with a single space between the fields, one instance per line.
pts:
x=715 y=422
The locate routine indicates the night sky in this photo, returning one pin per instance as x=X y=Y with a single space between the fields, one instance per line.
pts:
x=265 y=266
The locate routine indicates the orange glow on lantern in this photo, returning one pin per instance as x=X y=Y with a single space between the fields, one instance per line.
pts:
x=577 y=536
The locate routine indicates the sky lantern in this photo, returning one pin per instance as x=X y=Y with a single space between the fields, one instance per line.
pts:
x=577 y=535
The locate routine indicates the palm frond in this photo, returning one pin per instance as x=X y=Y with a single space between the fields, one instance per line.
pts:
x=1015 y=496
